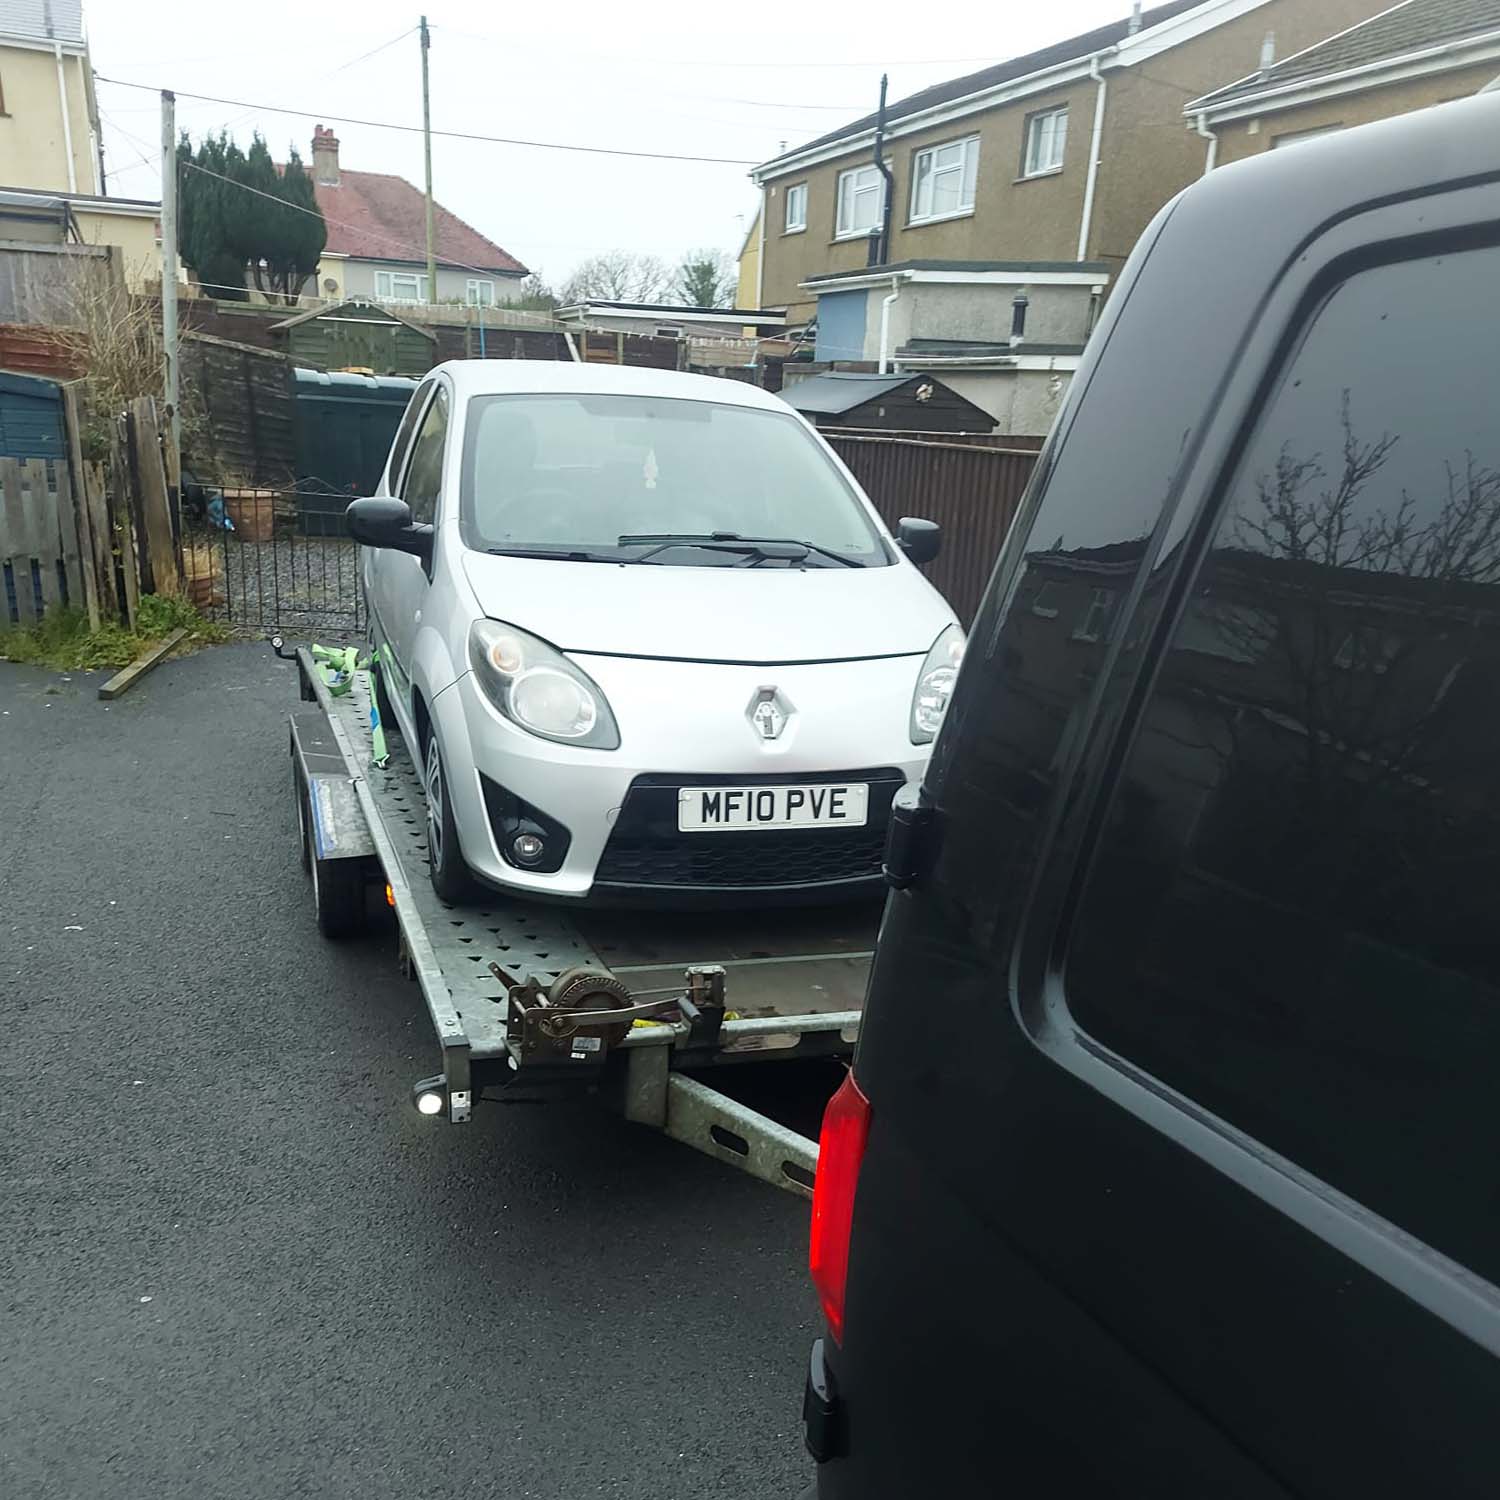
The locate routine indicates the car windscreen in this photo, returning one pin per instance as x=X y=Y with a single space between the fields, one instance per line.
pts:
x=660 y=480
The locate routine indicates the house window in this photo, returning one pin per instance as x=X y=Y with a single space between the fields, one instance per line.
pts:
x=1048 y=596
x=1095 y=624
x=400 y=286
x=668 y=331
x=479 y=293
x=942 y=180
x=861 y=199
x=1046 y=140
x=796 y=208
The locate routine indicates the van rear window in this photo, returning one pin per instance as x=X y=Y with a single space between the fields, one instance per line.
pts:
x=1291 y=918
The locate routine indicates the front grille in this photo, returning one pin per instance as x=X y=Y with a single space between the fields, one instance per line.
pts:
x=647 y=849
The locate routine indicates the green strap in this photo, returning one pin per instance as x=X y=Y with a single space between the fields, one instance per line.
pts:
x=338 y=664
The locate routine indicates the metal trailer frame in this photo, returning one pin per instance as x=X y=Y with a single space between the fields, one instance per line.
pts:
x=496 y=1022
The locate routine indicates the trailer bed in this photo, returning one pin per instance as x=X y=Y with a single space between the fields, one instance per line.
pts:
x=793 y=980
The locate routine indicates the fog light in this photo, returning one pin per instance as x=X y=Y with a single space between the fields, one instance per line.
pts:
x=527 y=848
x=430 y=1095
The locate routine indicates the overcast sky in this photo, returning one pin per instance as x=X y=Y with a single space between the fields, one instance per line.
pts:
x=664 y=75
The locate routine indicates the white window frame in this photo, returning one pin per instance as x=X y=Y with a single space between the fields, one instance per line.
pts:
x=668 y=331
x=796 y=222
x=849 y=186
x=386 y=283
x=966 y=169
x=1032 y=162
x=479 y=291
x=1098 y=622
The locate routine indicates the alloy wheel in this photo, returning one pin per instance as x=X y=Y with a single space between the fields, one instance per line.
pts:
x=434 y=784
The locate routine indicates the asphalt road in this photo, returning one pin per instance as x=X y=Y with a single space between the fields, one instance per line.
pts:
x=234 y=1262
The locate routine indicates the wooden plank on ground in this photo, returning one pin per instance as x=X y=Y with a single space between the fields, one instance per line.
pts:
x=123 y=681
x=151 y=491
x=79 y=514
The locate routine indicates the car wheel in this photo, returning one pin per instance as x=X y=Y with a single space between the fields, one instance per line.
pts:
x=445 y=860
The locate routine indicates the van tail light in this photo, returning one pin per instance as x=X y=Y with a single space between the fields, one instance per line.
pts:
x=841 y=1149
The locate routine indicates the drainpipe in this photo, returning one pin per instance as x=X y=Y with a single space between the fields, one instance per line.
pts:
x=1086 y=223
x=890 y=183
x=62 y=99
x=1201 y=125
x=885 y=325
x=760 y=253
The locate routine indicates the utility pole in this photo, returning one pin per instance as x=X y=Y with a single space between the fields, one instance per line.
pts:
x=427 y=161
x=169 y=258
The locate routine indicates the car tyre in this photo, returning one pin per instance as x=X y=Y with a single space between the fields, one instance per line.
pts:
x=445 y=860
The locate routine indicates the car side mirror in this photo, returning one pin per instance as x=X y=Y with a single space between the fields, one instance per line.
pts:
x=920 y=540
x=382 y=521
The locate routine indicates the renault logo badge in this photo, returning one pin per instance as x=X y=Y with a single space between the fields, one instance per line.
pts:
x=768 y=713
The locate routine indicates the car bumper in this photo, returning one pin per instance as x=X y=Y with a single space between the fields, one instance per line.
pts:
x=681 y=724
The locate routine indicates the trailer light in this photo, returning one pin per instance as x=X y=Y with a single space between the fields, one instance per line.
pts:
x=527 y=848
x=430 y=1095
x=390 y=895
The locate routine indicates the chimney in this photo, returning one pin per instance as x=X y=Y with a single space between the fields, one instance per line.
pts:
x=325 y=157
x=1135 y=18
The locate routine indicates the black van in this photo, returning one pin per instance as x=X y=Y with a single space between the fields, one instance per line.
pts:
x=1170 y=1161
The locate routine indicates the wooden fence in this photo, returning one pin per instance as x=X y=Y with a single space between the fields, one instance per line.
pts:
x=240 y=421
x=971 y=491
x=91 y=537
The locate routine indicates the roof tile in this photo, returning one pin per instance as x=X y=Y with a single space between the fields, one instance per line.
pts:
x=1407 y=27
x=376 y=216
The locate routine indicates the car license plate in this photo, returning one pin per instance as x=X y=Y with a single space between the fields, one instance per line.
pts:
x=712 y=809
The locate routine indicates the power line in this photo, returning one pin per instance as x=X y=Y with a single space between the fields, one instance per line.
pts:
x=389 y=239
x=457 y=135
x=726 y=62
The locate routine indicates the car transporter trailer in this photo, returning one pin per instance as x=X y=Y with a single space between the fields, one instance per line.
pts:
x=520 y=996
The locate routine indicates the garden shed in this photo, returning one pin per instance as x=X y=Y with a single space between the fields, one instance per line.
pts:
x=359 y=335
x=31 y=418
x=891 y=403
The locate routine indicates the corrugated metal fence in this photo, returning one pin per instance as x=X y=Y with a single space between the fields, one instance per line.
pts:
x=972 y=492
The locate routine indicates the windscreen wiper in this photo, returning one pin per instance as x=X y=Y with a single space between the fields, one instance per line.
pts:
x=757 y=547
x=560 y=554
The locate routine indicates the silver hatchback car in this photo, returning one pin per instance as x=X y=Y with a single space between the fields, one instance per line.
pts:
x=647 y=638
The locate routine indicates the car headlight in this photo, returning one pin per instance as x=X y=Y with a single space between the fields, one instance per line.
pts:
x=935 y=685
x=538 y=688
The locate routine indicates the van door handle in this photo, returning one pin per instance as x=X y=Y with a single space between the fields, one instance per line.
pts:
x=911 y=838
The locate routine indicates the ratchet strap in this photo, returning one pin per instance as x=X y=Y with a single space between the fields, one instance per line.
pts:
x=338 y=664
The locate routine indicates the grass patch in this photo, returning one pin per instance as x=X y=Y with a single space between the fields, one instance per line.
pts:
x=64 y=642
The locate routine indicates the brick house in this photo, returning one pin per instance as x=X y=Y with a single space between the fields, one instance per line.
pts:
x=377 y=241
x=1412 y=55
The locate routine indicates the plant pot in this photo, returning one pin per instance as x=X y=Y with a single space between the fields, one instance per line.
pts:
x=200 y=590
x=253 y=513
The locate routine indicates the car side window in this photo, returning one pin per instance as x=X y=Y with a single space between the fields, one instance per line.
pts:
x=424 y=478
x=403 y=436
x=1290 y=918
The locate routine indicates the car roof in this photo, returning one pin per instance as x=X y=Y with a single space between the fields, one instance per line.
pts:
x=516 y=377
x=1265 y=204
